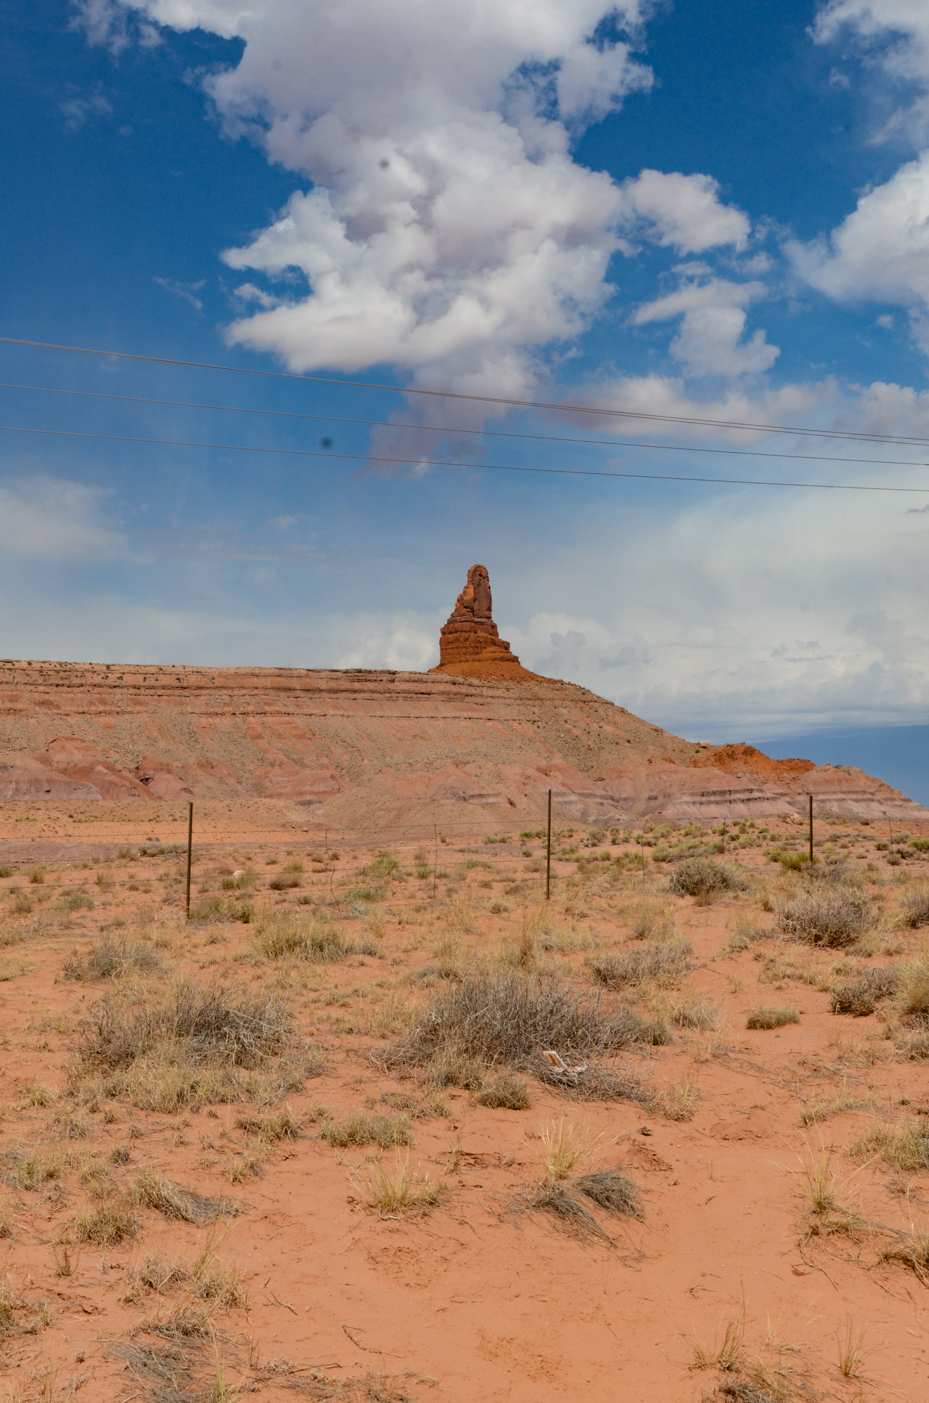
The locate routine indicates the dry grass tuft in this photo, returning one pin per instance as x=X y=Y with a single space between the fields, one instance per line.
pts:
x=679 y=1102
x=906 y=1149
x=663 y=962
x=505 y=1092
x=914 y=991
x=768 y=1018
x=273 y=1126
x=831 y=915
x=174 y=1201
x=288 y=937
x=111 y=959
x=187 y=1050
x=705 y=879
x=402 y=1190
x=362 y=1128
x=612 y=1191
x=563 y=1147
x=106 y=1226
x=553 y=1198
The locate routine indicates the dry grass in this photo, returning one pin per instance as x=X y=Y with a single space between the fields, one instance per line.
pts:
x=728 y=1355
x=649 y=920
x=564 y=1145
x=106 y=1226
x=860 y=996
x=289 y=937
x=688 y=1009
x=111 y=959
x=834 y=916
x=767 y=1018
x=273 y=1126
x=362 y=1128
x=680 y=1102
x=705 y=879
x=506 y=1020
x=914 y=911
x=558 y=1202
x=660 y=962
x=153 y=1190
x=400 y=1190
x=504 y=1092
x=905 y=1149
x=187 y=1050
x=850 y=1344
x=914 y=991
x=612 y=1191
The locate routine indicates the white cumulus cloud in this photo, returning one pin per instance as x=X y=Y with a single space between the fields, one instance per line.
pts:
x=713 y=318
x=448 y=231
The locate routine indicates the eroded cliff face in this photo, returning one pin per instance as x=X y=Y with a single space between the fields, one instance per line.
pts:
x=370 y=749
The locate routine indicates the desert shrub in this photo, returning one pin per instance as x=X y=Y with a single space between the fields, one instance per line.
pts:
x=273 y=1126
x=110 y=959
x=560 y=1203
x=288 y=937
x=153 y=1190
x=286 y=881
x=861 y=995
x=505 y=1092
x=664 y=961
x=914 y=991
x=508 y=1019
x=705 y=878
x=772 y=1018
x=833 y=916
x=215 y=910
x=915 y=910
x=363 y=1129
x=76 y=901
x=186 y=1050
x=689 y=1009
x=648 y=920
x=384 y=865
x=612 y=1191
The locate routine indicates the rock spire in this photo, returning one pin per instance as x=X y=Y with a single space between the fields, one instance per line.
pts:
x=469 y=644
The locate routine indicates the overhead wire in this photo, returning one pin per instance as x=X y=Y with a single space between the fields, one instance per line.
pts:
x=554 y=406
x=445 y=463
x=478 y=433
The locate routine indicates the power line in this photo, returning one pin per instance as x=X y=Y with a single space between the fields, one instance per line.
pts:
x=428 y=463
x=443 y=429
x=565 y=408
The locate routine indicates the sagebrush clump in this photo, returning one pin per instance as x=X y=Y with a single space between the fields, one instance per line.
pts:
x=705 y=878
x=831 y=915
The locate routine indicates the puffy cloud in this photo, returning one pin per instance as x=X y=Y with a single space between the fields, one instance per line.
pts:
x=905 y=55
x=448 y=232
x=51 y=519
x=881 y=250
x=709 y=341
x=682 y=211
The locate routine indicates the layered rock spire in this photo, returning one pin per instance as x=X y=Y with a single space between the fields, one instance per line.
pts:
x=469 y=643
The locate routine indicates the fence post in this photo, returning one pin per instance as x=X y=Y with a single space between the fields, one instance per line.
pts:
x=548 y=852
x=190 y=845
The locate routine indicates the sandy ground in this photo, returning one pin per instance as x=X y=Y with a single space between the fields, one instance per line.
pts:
x=477 y=1296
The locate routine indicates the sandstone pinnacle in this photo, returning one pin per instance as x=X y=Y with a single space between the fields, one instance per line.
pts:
x=469 y=644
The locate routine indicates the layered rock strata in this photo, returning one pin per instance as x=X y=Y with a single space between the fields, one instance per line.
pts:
x=379 y=751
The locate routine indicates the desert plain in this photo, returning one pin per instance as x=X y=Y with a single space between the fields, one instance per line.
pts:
x=408 y=1107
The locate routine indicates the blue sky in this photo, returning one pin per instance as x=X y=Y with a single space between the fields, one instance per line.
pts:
x=704 y=212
